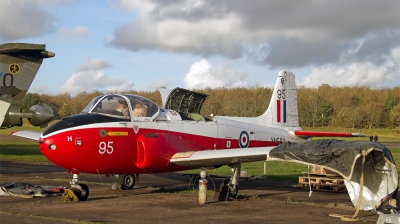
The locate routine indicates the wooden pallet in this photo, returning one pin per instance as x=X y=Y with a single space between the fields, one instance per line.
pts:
x=322 y=182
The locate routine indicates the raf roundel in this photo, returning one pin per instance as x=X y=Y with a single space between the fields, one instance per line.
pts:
x=244 y=139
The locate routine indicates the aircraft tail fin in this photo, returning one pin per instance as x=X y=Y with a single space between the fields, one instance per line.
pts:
x=282 y=110
x=19 y=63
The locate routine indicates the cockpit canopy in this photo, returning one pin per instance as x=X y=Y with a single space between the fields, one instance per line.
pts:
x=124 y=106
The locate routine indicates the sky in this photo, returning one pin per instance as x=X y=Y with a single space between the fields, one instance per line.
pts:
x=121 y=45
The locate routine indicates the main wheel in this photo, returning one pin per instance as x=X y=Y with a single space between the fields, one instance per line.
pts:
x=233 y=190
x=127 y=181
x=82 y=195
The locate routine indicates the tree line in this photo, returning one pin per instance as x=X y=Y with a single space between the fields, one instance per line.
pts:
x=347 y=107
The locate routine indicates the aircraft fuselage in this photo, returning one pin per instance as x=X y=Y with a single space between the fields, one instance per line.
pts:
x=126 y=147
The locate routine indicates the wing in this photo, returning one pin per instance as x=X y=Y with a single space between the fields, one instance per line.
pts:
x=304 y=134
x=33 y=135
x=215 y=158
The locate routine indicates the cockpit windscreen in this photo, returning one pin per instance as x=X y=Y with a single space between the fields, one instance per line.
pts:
x=117 y=106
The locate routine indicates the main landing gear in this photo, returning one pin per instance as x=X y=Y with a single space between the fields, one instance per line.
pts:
x=81 y=191
x=126 y=181
x=229 y=187
x=233 y=184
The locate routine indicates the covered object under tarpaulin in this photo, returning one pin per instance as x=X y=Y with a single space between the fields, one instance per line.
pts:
x=25 y=190
x=345 y=158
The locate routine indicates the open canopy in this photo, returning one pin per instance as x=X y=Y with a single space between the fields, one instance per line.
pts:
x=185 y=101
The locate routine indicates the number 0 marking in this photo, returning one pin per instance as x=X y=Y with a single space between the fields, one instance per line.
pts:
x=106 y=147
x=8 y=81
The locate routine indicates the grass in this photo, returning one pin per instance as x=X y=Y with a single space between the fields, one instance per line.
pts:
x=20 y=150
x=276 y=170
x=382 y=132
x=28 y=152
x=386 y=139
x=396 y=156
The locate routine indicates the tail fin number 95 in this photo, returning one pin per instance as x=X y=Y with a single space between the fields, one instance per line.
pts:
x=106 y=147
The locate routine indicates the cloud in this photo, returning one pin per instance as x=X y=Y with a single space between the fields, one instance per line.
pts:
x=38 y=89
x=357 y=74
x=279 y=34
x=26 y=18
x=94 y=64
x=94 y=80
x=158 y=29
x=161 y=83
x=201 y=75
x=74 y=34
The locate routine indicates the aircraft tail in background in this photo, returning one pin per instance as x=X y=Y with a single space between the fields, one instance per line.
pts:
x=19 y=63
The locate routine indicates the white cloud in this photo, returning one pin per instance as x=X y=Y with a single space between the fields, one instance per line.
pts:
x=94 y=80
x=276 y=33
x=26 y=18
x=201 y=75
x=74 y=34
x=94 y=64
x=161 y=83
x=357 y=74
x=38 y=89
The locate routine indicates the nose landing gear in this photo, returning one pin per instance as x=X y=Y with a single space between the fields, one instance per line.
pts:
x=78 y=192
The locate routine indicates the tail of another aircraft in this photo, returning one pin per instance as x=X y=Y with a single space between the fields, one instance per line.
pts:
x=19 y=63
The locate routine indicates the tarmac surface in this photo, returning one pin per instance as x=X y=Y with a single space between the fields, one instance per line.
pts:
x=164 y=198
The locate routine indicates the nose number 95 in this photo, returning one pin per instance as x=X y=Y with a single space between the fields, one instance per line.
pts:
x=106 y=147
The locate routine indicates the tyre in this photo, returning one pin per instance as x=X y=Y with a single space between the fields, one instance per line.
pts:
x=233 y=190
x=127 y=181
x=82 y=195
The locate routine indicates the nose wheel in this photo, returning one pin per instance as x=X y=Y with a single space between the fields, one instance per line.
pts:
x=78 y=192
x=81 y=191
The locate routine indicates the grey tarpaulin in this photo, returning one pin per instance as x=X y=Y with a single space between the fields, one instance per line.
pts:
x=25 y=190
x=345 y=158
